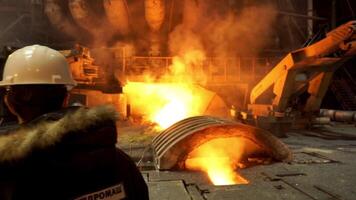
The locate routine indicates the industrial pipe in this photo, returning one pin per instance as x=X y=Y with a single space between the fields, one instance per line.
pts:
x=83 y=16
x=154 y=13
x=56 y=16
x=191 y=13
x=339 y=115
x=117 y=14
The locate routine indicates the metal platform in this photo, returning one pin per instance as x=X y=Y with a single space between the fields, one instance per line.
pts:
x=321 y=169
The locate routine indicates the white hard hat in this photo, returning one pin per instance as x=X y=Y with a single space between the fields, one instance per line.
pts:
x=37 y=65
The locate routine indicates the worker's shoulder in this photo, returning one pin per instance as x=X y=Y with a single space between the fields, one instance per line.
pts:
x=71 y=128
x=77 y=117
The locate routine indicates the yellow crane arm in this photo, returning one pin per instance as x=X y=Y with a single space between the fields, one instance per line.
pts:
x=309 y=67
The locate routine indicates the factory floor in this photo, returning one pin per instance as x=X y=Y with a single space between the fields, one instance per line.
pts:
x=324 y=167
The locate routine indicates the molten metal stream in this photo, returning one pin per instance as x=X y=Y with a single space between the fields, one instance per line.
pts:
x=220 y=159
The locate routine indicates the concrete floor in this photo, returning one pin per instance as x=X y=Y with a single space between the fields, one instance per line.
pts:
x=324 y=167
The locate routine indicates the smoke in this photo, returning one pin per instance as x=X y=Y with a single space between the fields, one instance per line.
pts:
x=222 y=31
x=184 y=37
x=207 y=30
x=244 y=33
x=214 y=29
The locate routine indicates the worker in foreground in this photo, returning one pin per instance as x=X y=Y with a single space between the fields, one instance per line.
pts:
x=59 y=153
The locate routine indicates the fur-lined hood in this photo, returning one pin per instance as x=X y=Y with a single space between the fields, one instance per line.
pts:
x=21 y=142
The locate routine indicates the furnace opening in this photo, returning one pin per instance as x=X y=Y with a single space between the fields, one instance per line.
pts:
x=218 y=147
x=222 y=158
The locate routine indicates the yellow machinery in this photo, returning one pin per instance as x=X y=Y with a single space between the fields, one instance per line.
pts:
x=96 y=85
x=87 y=74
x=291 y=92
x=81 y=64
x=273 y=100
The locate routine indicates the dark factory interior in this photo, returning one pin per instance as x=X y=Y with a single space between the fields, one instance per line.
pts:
x=228 y=99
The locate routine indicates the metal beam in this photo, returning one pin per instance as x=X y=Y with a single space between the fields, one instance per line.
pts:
x=13 y=24
x=7 y=9
x=310 y=21
x=292 y=14
x=333 y=14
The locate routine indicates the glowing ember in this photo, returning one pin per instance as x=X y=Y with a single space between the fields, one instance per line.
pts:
x=218 y=162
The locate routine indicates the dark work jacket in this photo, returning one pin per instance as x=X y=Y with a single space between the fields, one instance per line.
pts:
x=69 y=154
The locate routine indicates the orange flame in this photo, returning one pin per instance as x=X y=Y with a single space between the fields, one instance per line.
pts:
x=175 y=96
x=218 y=162
x=166 y=103
x=164 y=116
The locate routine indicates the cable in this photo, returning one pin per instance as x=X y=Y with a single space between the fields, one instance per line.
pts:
x=351 y=10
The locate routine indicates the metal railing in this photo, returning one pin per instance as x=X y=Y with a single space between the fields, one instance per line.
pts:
x=239 y=69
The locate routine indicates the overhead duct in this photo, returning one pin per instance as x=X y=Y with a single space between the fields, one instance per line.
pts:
x=86 y=18
x=155 y=13
x=173 y=145
x=191 y=13
x=56 y=15
x=117 y=14
x=339 y=115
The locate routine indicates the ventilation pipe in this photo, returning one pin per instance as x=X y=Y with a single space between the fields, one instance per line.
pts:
x=81 y=13
x=339 y=115
x=191 y=14
x=117 y=14
x=89 y=20
x=58 y=18
x=154 y=13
